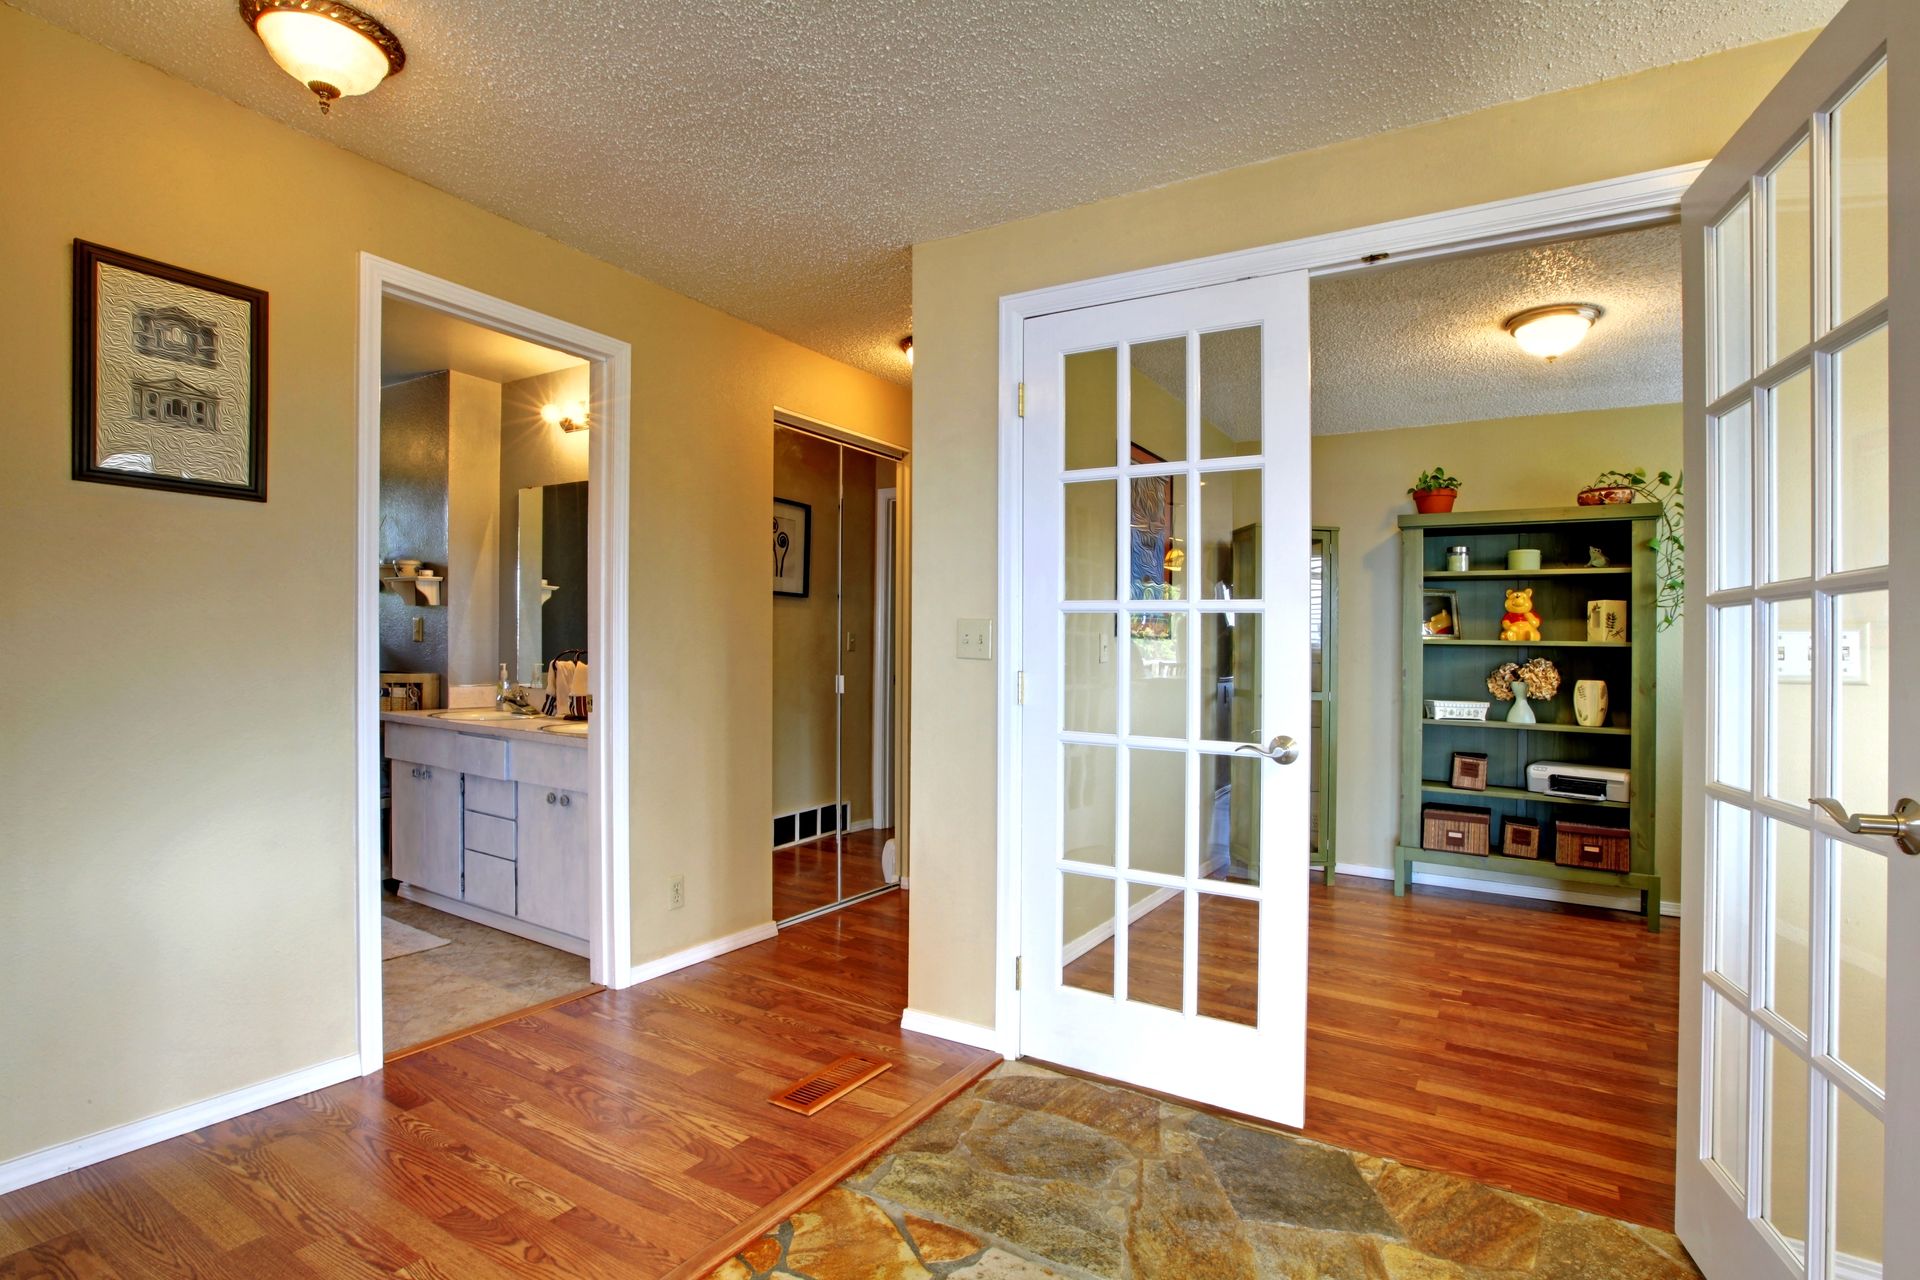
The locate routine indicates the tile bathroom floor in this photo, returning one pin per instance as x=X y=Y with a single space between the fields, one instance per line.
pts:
x=480 y=975
x=1031 y=1173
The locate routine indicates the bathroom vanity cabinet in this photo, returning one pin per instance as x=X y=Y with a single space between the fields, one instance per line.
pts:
x=490 y=823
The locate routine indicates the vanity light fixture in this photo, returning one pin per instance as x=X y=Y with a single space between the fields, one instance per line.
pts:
x=1551 y=332
x=332 y=48
x=573 y=418
x=906 y=345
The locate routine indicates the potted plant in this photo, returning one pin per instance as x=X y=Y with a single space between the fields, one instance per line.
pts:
x=1434 y=491
x=1669 y=541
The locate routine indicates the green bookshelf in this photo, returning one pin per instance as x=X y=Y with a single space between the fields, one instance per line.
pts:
x=1457 y=668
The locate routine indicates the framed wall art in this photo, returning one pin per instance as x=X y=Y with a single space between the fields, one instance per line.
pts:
x=169 y=377
x=792 y=547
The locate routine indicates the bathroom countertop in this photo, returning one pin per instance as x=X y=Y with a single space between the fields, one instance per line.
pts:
x=523 y=728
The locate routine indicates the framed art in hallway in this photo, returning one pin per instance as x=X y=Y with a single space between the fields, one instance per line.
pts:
x=169 y=377
x=792 y=547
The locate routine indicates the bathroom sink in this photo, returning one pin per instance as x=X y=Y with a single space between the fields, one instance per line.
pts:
x=567 y=728
x=478 y=713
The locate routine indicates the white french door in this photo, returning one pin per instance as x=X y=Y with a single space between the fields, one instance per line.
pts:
x=1164 y=730
x=1799 y=1140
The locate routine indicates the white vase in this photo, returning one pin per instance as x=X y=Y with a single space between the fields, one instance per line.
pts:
x=1590 y=702
x=1521 y=712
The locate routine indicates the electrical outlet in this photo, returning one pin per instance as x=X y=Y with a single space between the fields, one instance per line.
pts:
x=676 y=893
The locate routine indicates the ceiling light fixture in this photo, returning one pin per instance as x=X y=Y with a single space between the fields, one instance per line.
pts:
x=906 y=345
x=573 y=418
x=1551 y=332
x=332 y=48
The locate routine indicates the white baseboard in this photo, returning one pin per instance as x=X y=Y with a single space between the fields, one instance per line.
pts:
x=51 y=1162
x=650 y=969
x=495 y=920
x=968 y=1033
x=1507 y=889
x=1077 y=947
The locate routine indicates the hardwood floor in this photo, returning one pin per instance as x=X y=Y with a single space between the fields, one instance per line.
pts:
x=804 y=876
x=624 y=1134
x=1531 y=1046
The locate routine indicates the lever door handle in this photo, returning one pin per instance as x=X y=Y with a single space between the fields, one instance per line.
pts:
x=1282 y=750
x=1903 y=824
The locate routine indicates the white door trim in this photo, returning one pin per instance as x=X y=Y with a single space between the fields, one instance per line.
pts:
x=611 y=374
x=1614 y=204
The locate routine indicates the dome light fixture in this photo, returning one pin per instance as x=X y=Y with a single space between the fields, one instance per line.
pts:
x=332 y=48
x=906 y=345
x=1551 y=332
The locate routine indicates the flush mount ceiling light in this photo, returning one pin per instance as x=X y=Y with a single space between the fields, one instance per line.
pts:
x=333 y=49
x=1551 y=332
x=906 y=345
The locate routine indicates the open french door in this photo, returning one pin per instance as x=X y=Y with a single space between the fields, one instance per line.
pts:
x=1164 y=647
x=1799 y=1139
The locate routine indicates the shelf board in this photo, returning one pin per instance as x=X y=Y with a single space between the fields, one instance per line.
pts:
x=1530 y=728
x=1516 y=793
x=1552 y=571
x=1452 y=643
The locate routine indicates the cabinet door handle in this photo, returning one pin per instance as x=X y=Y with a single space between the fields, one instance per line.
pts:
x=426 y=773
x=551 y=797
x=416 y=771
x=565 y=801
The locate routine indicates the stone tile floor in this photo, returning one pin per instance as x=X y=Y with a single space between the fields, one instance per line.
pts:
x=484 y=973
x=1033 y=1174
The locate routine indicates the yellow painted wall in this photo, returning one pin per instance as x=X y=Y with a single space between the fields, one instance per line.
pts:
x=1668 y=116
x=177 y=880
x=1360 y=486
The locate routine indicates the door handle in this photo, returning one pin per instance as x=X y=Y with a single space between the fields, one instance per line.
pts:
x=1282 y=750
x=1903 y=824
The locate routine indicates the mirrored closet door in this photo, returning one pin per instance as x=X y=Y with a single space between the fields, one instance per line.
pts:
x=835 y=519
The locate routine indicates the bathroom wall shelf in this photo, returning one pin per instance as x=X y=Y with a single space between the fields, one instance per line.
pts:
x=415 y=590
x=1456 y=668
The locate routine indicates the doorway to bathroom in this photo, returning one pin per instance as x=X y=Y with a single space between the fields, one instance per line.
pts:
x=836 y=829
x=492 y=701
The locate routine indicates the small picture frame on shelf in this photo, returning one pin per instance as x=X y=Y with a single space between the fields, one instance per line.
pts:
x=1440 y=615
x=1469 y=772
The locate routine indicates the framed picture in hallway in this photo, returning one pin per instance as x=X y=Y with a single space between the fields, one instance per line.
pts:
x=169 y=377
x=792 y=547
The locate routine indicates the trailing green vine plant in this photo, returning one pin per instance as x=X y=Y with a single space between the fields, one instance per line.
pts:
x=1669 y=541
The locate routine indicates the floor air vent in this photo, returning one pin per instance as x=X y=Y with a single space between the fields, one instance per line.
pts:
x=829 y=1084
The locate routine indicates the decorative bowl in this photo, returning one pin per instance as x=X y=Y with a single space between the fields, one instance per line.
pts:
x=1606 y=495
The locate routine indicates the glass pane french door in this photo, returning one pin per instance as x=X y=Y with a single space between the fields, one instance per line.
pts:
x=1164 y=648
x=1789 y=982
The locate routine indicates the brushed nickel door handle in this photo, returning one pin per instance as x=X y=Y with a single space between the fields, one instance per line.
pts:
x=1903 y=824
x=1282 y=750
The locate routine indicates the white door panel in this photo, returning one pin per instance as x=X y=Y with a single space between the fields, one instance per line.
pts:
x=1800 y=1044
x=1164 y=642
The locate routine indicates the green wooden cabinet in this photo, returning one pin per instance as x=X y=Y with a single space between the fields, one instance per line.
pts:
x=1457 y=667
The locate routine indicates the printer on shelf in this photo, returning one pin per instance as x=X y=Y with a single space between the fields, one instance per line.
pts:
x=1577 y=781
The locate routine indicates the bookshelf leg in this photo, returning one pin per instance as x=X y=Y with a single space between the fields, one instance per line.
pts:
x=1653 y=905
x=1399 y=875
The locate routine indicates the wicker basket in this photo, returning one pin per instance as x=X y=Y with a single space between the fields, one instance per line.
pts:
x=1469 y=771
x=1520 y=838
x=1575 y=844
x=1456 y=830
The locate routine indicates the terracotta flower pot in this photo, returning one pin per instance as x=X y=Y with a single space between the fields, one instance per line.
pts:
x=1433 y=501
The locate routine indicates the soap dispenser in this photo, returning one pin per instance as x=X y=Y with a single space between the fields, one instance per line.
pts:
x=502 y=698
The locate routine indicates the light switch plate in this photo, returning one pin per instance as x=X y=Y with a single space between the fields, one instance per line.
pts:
x=976 y=639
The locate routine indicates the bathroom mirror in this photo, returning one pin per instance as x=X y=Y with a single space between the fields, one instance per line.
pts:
x=549 y=576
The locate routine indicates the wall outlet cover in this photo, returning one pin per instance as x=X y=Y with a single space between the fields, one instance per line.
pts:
x=676 y=893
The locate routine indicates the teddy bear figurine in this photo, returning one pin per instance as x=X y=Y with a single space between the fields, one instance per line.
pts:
x=1520 y=622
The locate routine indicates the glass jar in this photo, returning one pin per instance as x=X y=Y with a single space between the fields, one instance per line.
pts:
x=1458 y=560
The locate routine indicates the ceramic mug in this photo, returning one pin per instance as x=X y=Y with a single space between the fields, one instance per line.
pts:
x=1590 y=702
x=1607 y=621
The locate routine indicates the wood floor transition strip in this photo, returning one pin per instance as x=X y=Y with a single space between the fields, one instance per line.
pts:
x=491 y=1023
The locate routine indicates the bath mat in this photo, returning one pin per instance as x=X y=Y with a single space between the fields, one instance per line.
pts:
x=398 y=939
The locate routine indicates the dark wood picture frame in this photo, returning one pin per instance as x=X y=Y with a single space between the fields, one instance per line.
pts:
x=88 y=258
x=806 y=548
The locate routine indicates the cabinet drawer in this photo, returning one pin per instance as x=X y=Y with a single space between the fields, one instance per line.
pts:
x=489 y=795
x=490 y=883
x=550 y=766
x=484 y=756
x=421 y=745
x=492 y=835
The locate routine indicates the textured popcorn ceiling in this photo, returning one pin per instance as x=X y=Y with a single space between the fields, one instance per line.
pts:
x=777 y=158
x=1424 y=344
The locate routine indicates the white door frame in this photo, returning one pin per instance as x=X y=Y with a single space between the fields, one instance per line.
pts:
x=610 y=364
x=1615 y=204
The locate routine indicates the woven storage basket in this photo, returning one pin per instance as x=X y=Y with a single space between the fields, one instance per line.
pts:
x=1520 y=838
x=1575 y=844
x=1456 y=830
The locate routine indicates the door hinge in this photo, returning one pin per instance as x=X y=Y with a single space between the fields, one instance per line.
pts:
x=1016 y=971
x=1019 y=688
x=1020 y=403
